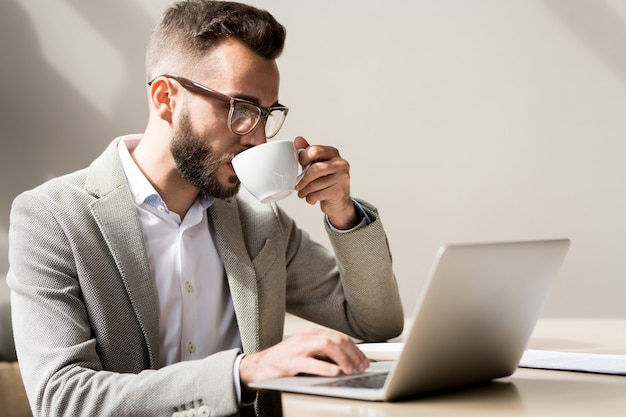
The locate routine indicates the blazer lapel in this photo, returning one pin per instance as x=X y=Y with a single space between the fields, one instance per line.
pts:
x=117 y=219
x=239 y=270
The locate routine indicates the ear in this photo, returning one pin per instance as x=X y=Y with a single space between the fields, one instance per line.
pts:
x=162 y=98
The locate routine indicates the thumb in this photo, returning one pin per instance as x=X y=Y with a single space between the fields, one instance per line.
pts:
x=300 y=142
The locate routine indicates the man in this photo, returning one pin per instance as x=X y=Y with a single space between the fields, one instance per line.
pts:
x=148 y=284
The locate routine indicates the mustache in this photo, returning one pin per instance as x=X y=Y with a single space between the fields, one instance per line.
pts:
x=224 y=159
x=214 y=161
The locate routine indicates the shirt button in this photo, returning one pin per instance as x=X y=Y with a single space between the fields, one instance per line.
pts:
x=188 y=286
x=191 y=348
x=161 y=208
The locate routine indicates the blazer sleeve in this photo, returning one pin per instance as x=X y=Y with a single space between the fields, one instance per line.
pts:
x=353 y=290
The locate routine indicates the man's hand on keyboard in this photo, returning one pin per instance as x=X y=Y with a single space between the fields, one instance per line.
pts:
x=316 y=351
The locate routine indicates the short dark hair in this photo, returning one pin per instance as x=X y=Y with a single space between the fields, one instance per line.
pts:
x=190 y=29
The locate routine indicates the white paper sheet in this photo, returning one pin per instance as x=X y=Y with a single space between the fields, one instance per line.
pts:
x=580 y=362
x=539 y=359
x=381 y=351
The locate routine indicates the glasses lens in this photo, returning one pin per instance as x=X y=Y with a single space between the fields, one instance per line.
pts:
x=274 y=122
x=244 y=117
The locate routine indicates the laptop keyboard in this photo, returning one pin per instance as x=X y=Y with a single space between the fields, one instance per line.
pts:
x=376 y=380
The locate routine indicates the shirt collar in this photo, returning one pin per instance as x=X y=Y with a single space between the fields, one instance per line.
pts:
x=142 y=191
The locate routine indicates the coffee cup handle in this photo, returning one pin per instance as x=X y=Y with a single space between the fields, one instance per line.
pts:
x=304 y=170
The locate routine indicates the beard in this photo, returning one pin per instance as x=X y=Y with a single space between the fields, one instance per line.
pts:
x=197 y=162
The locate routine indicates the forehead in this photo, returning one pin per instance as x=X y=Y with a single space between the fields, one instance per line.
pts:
x=236 y=70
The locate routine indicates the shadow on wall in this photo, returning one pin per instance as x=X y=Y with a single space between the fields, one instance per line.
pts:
x=598 y=26
x=47 y=127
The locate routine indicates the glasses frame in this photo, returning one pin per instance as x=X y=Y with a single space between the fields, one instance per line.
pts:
x=202 y=90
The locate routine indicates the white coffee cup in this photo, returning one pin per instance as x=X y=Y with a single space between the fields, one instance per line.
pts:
x=269 y=171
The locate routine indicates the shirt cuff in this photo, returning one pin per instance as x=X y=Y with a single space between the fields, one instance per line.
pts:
x=361 y=214
x=249 y=400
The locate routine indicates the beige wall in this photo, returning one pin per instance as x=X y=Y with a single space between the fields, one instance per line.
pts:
x=464 y=120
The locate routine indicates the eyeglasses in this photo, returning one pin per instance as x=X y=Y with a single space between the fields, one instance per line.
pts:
x=244 y=115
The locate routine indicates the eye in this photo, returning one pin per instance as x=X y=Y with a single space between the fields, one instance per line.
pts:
x=244 y=117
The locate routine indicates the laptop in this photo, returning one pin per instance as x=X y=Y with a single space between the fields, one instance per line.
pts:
x=471 y=324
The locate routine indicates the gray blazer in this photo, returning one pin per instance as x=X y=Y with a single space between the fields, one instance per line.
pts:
x=86 y=316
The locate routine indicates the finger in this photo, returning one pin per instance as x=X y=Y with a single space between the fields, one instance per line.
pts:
x=341 y=350
x=312 y=195
x=329 y=189
x=300 y=142
x=335 y=182
x=318 y=153
x=316 y=366
x=332 y=171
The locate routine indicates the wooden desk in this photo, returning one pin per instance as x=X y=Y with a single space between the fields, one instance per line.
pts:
x=528 y=392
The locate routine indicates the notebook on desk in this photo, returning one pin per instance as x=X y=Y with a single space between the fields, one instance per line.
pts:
x=471 y=323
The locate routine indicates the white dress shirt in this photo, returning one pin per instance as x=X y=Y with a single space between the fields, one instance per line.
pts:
x=196 y=313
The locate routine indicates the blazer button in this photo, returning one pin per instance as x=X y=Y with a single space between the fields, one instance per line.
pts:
x=192 y=412
x=204 y=411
